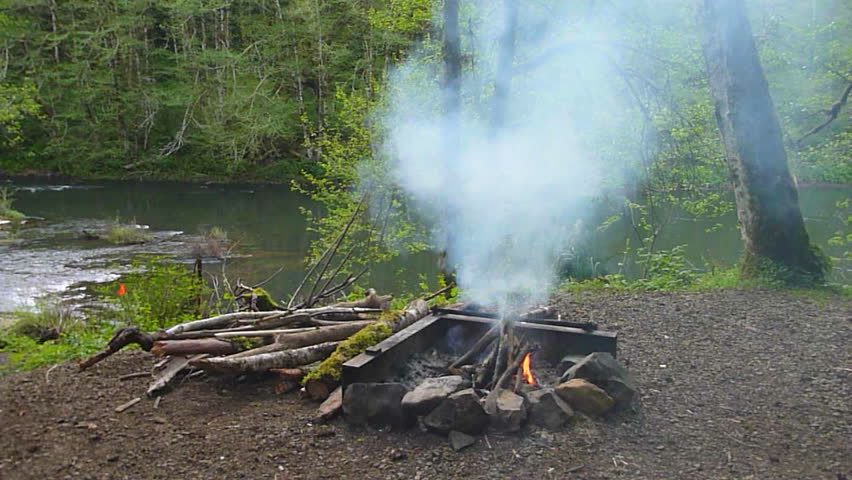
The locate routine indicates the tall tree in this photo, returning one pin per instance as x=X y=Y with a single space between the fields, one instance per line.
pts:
x=767 y=201
x=505 y=60
x=452 y=106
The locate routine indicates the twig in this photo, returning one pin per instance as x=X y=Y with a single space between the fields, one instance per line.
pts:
x=335 y=247
x=47 y=373
x=134 y=375
x=440 y=292
x=126 y=405
x=831 y=114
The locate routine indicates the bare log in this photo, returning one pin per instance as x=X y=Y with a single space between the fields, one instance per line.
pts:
x=294 y=374
x=415 y=310
x=212 y=346
x=320 y=335
x=217 y=321
x=266 y=361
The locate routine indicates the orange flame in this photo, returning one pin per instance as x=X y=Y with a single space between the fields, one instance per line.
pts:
x=525 y=365
x=122 y=291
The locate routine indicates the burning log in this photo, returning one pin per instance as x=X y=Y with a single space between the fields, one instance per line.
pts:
x=514 y=367
x=212 y=346
x=267 y=361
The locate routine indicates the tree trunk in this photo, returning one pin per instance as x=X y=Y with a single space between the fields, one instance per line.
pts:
x=767 y=202
x=505 y=60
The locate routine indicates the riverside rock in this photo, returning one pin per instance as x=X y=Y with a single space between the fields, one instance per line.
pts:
x=426 y=396
x=459 y=440
x=602 y=369
x=377 y=404
x=585 y=397
x=460 y=411
x=547 y=410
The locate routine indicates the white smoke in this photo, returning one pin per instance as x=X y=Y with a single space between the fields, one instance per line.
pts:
x=504 y=202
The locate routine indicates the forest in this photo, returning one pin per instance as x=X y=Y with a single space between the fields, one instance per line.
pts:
x=271 y=91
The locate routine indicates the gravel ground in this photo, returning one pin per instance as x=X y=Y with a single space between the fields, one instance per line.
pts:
x=735 y=385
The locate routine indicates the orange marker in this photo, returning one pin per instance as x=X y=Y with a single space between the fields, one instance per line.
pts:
x=121 y=290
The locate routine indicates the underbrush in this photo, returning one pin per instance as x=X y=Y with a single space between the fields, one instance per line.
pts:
x=160 y=294
x=669 y=271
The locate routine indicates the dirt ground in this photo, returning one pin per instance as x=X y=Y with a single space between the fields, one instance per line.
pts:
x=735 y=385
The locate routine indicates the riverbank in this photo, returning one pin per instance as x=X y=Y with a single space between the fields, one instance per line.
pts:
x=735 y=384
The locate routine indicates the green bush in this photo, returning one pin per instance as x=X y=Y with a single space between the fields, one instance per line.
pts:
x=127 y=235
x=159 y=294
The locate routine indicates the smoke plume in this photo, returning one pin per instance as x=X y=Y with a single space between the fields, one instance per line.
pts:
x=504 y=200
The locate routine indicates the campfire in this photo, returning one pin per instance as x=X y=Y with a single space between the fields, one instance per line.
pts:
x=460 y=372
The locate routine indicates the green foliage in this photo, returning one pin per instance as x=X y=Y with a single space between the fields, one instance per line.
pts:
x=17 y=103
x=7 y=197
x=159 y=294
x=330 y=368
x=187 y=89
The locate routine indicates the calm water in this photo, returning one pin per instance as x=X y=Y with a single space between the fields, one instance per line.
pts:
x=48 y=255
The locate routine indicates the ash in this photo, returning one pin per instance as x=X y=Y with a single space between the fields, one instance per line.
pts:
x=428 y=364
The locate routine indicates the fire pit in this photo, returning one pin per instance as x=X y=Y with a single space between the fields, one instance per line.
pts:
x=451 y=333
x=461 y=371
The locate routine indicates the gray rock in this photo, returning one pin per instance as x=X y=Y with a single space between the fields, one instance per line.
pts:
x=377 y=404
x=547 y=410
x=567 y=362
x=460 y=411
x=604 y=371
x=459 y=440
x=430 y=392
x=508 y=410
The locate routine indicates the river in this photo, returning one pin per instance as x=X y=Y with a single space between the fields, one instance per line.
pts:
x=49 y=255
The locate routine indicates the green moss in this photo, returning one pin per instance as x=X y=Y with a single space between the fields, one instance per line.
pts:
x=264 y=302
x=368 y=336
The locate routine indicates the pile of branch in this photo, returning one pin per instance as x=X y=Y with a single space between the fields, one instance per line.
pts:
x=294 y=342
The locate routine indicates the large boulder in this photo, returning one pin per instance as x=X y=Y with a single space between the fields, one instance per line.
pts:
x=426 y=396
x=602 y=369
x=585 y=397
x=508 y=410
x=377 y=404
x=547 y=410
x=460 y=411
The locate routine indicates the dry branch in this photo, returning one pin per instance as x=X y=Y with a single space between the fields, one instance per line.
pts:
x=266 y=361
x=175 y=366
x=121 y=339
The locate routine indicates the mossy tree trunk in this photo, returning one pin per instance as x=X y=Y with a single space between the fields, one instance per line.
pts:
x=767 y=201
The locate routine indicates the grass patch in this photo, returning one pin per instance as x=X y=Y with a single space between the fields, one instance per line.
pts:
x=127 y=235
x=6 y=210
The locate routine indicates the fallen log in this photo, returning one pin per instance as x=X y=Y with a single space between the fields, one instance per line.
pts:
x=217 y=321
x=326 y=377
x=212 y=346
x=266 y=361
x=121 y=339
